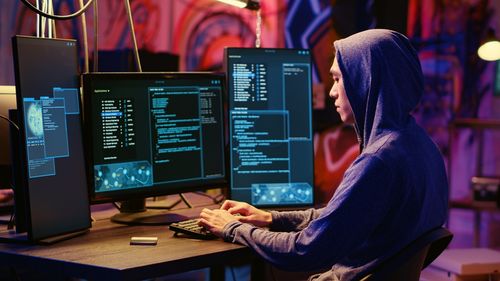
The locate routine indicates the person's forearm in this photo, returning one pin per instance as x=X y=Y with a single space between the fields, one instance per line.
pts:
x=292 y=220
x=286 y=250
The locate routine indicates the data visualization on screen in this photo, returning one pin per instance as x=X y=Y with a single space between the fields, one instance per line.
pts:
x=270 y=126
x=47 y=129
x=154 y=133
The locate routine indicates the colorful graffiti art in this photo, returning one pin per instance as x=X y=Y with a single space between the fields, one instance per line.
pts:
x=203 y=28
x=457 y=83
x=308 y=24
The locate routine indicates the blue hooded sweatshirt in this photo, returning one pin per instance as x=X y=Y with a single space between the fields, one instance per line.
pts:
x=393 y=192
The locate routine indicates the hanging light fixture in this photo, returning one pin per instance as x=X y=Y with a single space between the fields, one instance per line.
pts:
x=248 y=4
x=490 y=48
x=251 y=5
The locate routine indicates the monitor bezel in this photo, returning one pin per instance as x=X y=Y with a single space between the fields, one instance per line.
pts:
x=228 y=163
x=22 y=188
x=161 y=189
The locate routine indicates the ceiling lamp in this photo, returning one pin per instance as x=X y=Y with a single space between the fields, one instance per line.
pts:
x=490 y=48
x=248 y=4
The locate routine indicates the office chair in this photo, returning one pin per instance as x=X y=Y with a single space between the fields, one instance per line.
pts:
x=407 y=263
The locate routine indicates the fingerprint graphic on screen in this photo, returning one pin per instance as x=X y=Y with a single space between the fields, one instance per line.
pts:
x=35 y=121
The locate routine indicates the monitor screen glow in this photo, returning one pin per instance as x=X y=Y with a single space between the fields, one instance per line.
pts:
x=270 y=126
x=154 y=133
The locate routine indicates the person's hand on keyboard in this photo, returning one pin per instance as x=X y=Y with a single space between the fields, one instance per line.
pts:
x=215 y=220
x=249 y=214
x=191 y=228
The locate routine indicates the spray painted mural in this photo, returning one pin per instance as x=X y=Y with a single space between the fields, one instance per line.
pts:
x=198 y=31
x=457 y=83
x=309 y=24
x=203 y=28
x=445 y=33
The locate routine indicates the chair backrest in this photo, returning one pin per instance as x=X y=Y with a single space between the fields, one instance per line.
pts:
x=407 y=263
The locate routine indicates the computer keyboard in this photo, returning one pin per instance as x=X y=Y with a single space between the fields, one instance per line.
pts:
x=191 y=228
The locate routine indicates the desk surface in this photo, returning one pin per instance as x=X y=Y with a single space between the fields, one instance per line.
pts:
x=104 y=253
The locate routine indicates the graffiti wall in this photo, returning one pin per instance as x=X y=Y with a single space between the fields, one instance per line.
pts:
x=446 y=34
x=196 y=30
x=458 y=84
x=309 y=24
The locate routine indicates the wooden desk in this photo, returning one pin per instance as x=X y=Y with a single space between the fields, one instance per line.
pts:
x=105 y=254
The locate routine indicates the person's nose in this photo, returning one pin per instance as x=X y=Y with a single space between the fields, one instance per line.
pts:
x=333 y=92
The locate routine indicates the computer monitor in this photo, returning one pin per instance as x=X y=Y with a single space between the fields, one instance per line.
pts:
x=50 y=175
x=270 y=126
x=152 y=134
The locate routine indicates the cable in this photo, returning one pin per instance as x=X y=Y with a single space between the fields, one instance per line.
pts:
x=184 y=199
x=217 y=198
x=54 y=25
x=177 y=202
x=258 y=30
x=117 y=206
x=50 y=10
x=37 y=21
x=232 y=273
x=96 y=36
x=85 y=45
x=43 y=19
x=57 y=17
x=132 y=31
x=11 y=223
x=10 y=122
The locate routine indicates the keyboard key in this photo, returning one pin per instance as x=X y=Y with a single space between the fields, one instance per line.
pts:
x=190 y=227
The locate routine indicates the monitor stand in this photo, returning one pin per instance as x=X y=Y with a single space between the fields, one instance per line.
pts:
x=135 y=212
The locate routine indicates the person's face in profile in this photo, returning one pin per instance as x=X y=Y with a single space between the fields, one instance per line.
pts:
x=337 y=93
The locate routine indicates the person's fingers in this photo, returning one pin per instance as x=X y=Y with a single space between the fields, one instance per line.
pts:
x=206 y=213
x=227 y=204
x=204 y=216
x=203 y=222
x=238 y=210
x=242 y=208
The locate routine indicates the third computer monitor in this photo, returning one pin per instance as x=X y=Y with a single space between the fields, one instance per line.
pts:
x=270 y=126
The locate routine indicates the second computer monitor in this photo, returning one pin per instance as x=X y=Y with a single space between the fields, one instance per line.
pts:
x=270 y=126
x=154 y=133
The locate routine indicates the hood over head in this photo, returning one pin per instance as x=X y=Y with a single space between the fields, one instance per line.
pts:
x=383 y=80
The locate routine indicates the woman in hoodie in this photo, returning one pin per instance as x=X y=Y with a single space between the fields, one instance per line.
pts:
x=395 y=191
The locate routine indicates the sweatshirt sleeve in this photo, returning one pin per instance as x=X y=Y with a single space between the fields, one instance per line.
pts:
x=293 y=220
x=358 y=207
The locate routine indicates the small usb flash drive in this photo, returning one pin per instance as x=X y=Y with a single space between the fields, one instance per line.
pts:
x=143 y=240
